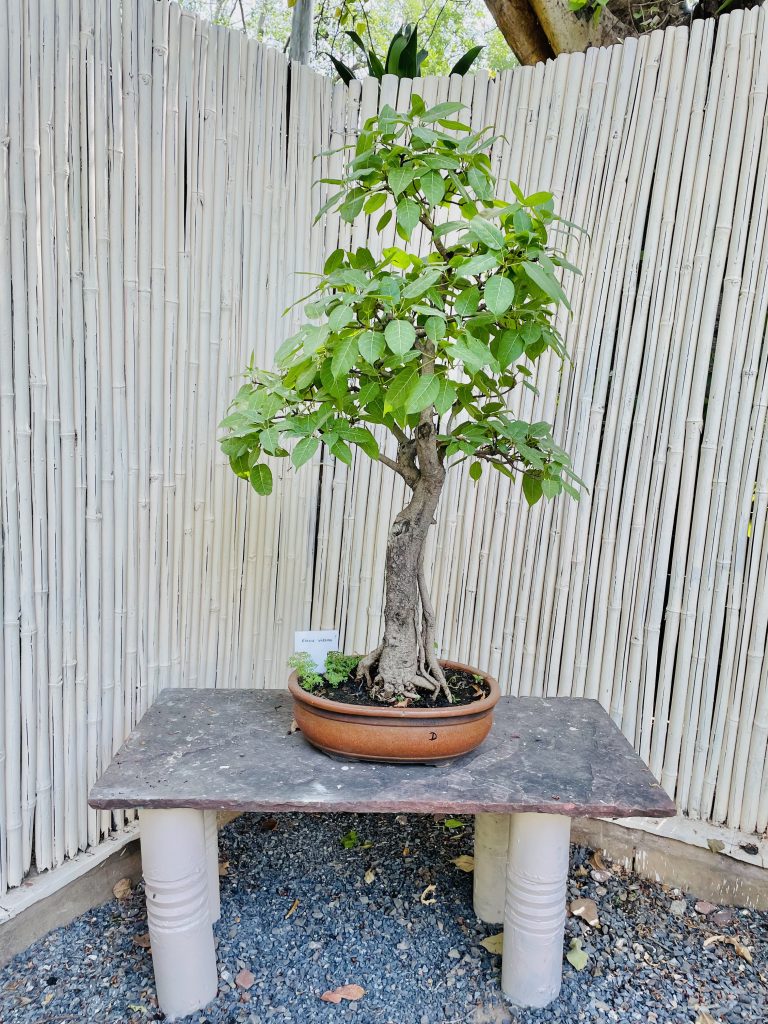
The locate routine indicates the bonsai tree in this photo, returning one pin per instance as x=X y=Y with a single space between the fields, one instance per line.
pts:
x=427 y=340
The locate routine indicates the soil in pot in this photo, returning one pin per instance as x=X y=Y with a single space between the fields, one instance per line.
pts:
x=465 y=687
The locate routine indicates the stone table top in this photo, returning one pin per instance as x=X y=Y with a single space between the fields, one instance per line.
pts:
x=233 y=749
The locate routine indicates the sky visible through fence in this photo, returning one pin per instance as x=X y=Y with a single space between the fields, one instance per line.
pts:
x=156 y=199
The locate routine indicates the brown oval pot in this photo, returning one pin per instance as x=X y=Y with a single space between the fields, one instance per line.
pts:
x=415 y=735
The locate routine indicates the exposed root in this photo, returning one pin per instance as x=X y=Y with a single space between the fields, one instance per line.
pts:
x=427 y=640
x=364 y=666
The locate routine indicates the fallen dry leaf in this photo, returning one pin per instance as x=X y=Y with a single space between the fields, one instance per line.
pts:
x=716 y=845
x=292 y=909
x=426 y=897
x=587 y=910
x=223 y=869
x=464 y=863
x=576 y=956
x=370 y=874
x=141 y=940
x=705 y=1018
x=581 y=871
x=245 y=979
x=730 y=940
x=122 y=890
x=494 y=943
x=294 y=727
x=406 y=851
x=268 y=824
x=597 y=861
x=350 y=992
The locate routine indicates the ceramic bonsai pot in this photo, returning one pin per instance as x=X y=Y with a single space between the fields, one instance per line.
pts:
x=424 y=735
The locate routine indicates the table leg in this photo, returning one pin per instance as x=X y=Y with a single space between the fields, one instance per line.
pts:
x=176 y=879
x=534 y=918
x=489 y=883
x=212 y=863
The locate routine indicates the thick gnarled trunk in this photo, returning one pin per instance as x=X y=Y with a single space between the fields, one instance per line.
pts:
x=405 y=664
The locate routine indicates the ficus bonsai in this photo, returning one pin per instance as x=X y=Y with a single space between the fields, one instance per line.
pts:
x=428 y=340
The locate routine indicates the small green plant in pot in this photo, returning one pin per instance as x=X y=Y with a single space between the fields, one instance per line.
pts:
x=429 y=340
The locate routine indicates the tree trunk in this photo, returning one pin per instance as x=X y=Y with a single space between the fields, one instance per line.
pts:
x=537 y=30
x=300 y=43
x=405 y=664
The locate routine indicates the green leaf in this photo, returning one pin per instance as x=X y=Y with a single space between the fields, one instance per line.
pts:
x=465 y=62
x=433 y=187
x=551 y=487
x=486 y=233
x=364 y=439
x=371 y=346
x=400 y=336
x=441 y=110
x=340 y=317
x=508 y=347
x=341 y=451
x=448 y=226
x=408 y=215
x=547 y=282
x=421 y=284
x=422 y=393
x=394 y=397
x=344 y=356
x=531 y=487
x=480 y=183
x=499 y=293
x=453 y=823
x=476 y=470
x=434 y=326
x=400 y=178
x=467 y=301
x=478 y=264
x=445 y=397
x=315 y=336
x=374 y=202
x=384 y=219
x=304 y=451
x=261 y=478
x=353 y=204
x=369 y=392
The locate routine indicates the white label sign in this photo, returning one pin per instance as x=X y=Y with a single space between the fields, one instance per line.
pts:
x=317 y=643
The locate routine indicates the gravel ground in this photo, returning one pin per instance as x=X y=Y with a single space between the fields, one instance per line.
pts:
x=303 y=914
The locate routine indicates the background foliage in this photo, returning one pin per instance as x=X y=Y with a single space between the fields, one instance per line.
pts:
x=448 y=28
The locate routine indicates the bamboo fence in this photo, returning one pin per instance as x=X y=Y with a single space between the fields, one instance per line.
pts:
x=156 y=198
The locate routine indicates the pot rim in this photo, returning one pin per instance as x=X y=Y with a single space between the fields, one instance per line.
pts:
x=365 y=711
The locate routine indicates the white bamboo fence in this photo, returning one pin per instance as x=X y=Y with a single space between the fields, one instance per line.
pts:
x=155 y=207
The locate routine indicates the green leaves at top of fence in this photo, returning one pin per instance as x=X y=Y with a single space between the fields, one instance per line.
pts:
x=446 y=321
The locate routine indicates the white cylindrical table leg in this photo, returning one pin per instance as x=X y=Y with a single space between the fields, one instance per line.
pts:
x=534 y=918
x=175 y=867
x=490 y=875
x=212 y=859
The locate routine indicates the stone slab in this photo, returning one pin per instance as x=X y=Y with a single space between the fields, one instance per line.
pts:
x=233 y=750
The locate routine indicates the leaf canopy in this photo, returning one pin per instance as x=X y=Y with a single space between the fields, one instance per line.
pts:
x=445 y=322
